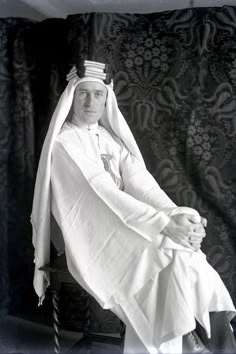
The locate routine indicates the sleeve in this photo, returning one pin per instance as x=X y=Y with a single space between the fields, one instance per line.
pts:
x=139 y=183
x=142 y=218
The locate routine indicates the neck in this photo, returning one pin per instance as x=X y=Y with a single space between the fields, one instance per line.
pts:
x=84 y=125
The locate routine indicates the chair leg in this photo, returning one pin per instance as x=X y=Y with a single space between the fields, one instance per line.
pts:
x=56 y=321
x=87 y=323
x=122 y=335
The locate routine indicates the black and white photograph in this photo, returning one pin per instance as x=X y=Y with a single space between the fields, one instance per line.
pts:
x=118 y=177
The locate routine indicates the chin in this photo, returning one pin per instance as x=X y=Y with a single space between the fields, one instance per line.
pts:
x=92 y=121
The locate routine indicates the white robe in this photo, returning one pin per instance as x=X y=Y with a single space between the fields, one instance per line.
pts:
x=115 y=248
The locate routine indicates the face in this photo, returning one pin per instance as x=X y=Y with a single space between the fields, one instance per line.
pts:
x=89 y=102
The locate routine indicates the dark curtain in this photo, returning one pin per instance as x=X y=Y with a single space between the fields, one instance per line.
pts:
x=175 y=80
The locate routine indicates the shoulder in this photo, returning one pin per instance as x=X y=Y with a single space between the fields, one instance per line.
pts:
x=66 y=132
x=67 y=136
x=111 y=136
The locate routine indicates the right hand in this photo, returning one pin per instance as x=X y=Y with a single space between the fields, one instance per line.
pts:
x=186 y=230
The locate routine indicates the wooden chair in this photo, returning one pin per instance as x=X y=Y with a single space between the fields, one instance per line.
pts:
x=59 y=276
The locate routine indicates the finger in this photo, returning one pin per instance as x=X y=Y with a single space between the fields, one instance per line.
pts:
x=198 y=228
x=181 y=220
x=198 y=233
x=196 y=236
x=204 y=221
x=195 y=239
x=182 y=241
x=195 y=242
x=186 y=244
x=194 y=218
x=196 y=248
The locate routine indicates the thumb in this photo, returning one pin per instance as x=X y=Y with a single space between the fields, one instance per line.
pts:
x=194 y=218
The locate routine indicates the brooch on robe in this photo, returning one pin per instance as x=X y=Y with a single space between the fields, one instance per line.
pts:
x=106 y=158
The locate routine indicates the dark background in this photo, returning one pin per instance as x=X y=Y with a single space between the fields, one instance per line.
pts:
x=175 y=81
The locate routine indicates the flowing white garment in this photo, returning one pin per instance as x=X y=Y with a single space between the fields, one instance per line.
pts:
x=114 y=245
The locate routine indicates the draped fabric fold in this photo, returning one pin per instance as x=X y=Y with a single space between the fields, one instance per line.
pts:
x=113 y=242
x=159 y=286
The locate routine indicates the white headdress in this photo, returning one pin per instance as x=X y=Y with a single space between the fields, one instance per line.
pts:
x=112 y=120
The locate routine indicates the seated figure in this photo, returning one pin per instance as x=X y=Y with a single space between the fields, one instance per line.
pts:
x=125 y=240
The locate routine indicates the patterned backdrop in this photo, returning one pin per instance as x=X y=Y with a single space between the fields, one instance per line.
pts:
x=175 y=80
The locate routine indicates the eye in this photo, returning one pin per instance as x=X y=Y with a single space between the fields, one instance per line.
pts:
x=82 y=93
x=98 y=94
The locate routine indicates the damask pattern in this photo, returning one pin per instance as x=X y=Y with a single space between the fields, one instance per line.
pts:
x=175 y=79
x=174 y=76
x=17 y=168
x=4 y=136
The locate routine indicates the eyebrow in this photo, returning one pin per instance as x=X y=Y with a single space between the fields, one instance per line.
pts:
x=86 y=90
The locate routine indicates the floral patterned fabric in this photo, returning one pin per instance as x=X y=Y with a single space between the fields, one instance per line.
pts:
x=175 y=80
x=17 y=166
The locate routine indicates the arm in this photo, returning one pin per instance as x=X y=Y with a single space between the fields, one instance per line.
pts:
x=139 y=183
x=186 y=227
x=140 y=217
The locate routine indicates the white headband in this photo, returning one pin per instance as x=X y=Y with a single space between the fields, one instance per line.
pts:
x=93 y=70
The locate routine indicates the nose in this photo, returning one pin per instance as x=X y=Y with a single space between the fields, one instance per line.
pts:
x=89 y=100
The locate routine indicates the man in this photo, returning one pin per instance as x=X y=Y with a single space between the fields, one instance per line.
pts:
x=126 y=242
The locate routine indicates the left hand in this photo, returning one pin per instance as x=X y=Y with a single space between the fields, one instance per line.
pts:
x=198 y=232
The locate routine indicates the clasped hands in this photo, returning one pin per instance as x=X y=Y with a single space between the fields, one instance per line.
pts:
x=187 y=230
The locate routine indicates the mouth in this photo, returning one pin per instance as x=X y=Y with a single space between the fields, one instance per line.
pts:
x=89 y=111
